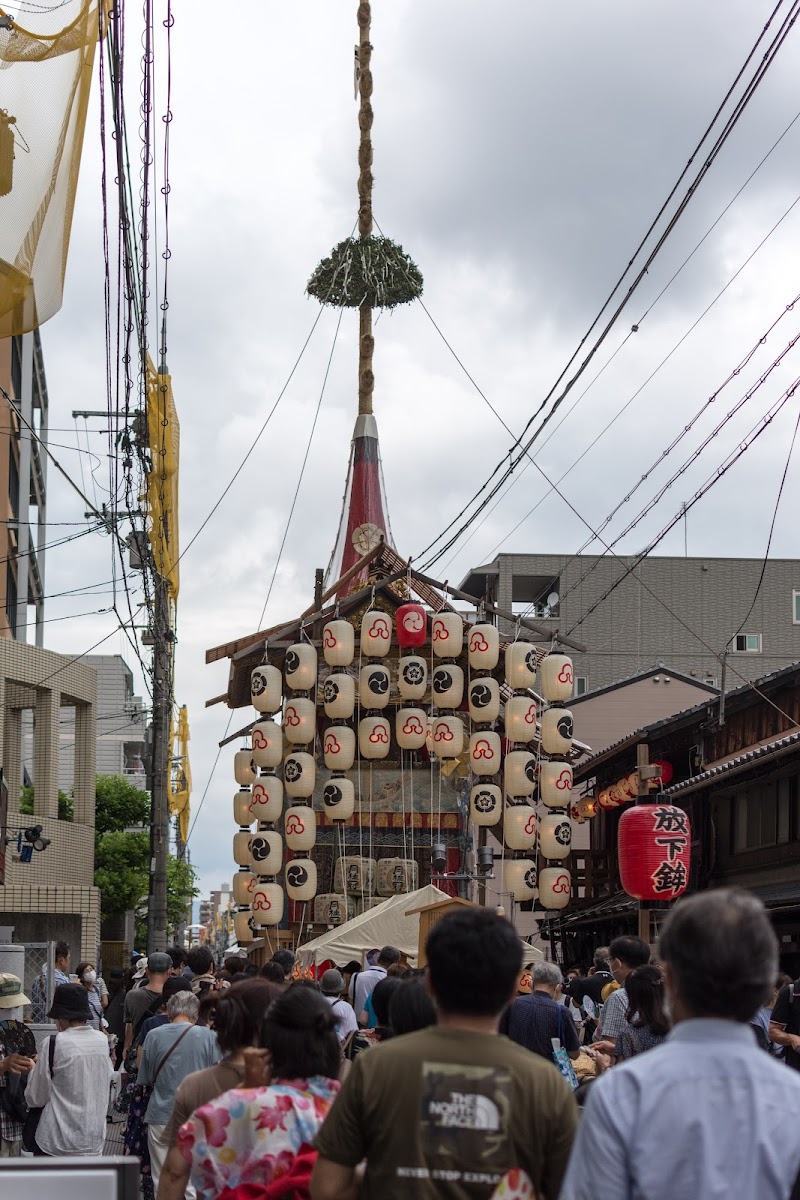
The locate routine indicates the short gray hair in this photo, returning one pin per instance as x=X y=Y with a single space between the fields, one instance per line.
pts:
x=547 y=973
x=722 y=953
x=183 y=1004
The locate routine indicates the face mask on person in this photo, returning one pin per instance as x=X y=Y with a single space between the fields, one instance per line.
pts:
x=12 y=1014
x=90 y=976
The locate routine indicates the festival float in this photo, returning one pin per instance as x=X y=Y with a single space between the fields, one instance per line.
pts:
x=395 y=741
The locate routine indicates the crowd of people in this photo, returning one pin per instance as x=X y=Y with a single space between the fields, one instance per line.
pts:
x=671 y=1076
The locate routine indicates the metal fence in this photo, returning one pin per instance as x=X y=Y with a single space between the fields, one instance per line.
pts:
x=39 y=981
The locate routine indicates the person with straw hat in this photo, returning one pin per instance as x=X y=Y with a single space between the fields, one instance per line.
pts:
x=17 y=1060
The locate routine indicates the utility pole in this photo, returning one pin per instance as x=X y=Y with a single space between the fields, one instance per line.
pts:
x=159 y=816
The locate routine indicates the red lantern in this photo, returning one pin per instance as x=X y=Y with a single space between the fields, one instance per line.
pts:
x=654 y=846
x=411 y=625
x=666 y=771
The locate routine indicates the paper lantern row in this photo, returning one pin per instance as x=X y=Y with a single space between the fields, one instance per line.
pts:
x=554 y=883
x=627 y=788
x=411 y=625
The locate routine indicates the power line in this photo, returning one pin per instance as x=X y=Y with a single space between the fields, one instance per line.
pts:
x=763 y=65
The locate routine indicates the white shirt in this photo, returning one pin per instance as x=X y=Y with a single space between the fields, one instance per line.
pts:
x=705 y=1116
x=363 y=985
x=75 y=1100
x=346 y=1022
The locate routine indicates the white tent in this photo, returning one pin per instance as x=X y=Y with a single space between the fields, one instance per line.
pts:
x=384 y=925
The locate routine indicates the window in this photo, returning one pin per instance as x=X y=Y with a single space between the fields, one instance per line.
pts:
x=762 y=816
x=747 y=643
x=796 y=608
x=581 y=685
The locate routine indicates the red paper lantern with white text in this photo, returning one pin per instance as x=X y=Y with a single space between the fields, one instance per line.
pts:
x=654 y=846
x=410 y=624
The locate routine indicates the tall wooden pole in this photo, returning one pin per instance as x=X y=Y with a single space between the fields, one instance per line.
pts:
x=366 y=341
x=642 y=794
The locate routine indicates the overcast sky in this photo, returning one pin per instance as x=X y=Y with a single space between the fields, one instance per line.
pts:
x=521 y=151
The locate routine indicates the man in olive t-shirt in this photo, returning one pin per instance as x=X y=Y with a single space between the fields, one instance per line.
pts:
x=449 y=1112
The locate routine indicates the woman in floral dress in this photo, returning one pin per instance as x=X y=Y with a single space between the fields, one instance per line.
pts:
x=260 y=1135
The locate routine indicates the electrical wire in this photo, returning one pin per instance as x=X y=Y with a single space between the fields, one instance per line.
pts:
x=763 y=65
x=280 y=548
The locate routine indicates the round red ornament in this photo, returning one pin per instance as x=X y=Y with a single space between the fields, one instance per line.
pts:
x=410 y=621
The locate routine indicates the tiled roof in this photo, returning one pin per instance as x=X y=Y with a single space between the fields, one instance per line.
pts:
x=731 y=764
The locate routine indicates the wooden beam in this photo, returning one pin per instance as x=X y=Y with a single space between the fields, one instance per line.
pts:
x=364 y=561
x=216 y=700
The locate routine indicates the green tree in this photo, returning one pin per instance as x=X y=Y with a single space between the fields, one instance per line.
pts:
x=65 y=812
x=122 y=855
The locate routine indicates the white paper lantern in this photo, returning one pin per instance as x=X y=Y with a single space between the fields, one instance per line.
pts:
x=483 y=697
x=242 y=928
x=519 y=878
x=299 y=774
x=412 y=677
x=243 y=884
x=447 y=686
x=242 y=807
x=339 y=747
x=243 y=770
x=267 y=798
x=520 y=665
x=300 y=827
x=376 y=634
x=557 y=730
x=374 y=737
x=300 y=667
x=485 y=753
x=520 y=718
x=301 y=879
x=447 y=634
x=333 y=909
x=338 y=643
x=448 y=737
x=338 y=798
x=396 y=875
x=300 y=721
x=241 y=848
x=265 y=688
x=483 y=646
x=410 y=726
x=519 y=826
x=555 y=835
x=267 y=744
x=339 y=696
x=266 y=853
x=555 y=677
x=374 y=686
x=485 y=803
x=267 y=904
x=555 y=784
x=555 y=887
x=354 y=875
x=519 y=776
